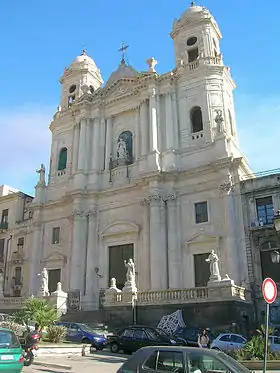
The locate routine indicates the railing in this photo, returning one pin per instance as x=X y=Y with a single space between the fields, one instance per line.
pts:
x=176 y=295
x=197 y=135
x=205 y=61
x=4 y=226
x=17 y=256
x=120 y=162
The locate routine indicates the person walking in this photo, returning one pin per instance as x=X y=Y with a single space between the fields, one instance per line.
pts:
x=203 y=339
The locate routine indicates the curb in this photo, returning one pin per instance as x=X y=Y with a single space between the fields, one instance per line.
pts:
x=51 y=365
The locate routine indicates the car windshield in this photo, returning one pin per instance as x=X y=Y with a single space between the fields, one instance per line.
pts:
x=162 y=332
x=8 y=339
x=86 y=328
x=238 y=366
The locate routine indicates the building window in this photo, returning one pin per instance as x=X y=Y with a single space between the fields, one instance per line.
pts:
x=201 y=212
x=191 y=41
x=193 y=55
x=265 y=210
x=196 y=119
x=62 y=160
x=20 y=241
x=2 y=248
x=5 y=215
x=56 y=235
x=18 y=276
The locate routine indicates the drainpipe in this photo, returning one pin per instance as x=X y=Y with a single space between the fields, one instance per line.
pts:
x=6 y=260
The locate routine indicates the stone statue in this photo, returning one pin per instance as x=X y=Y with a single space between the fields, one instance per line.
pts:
x=45 y=283
x=121 y=149
x=213 y=259
x=220 y=121
x=42 y=173
x=1 y=284
x=130 y=273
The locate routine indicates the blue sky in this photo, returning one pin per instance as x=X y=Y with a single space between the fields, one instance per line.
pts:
x=39 y=38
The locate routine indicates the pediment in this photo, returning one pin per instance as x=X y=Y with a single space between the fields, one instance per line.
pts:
x=120 y=88
x=202 y=237
x=55 y=256
x=119 y=227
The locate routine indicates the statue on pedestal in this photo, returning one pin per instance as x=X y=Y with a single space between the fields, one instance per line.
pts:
x=213 y=260
x=121 y=149
x=42 y=173
x=130 y=273
x=45 y=283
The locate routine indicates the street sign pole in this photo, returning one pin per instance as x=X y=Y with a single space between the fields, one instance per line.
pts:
x=269 y=290
x=266 y=337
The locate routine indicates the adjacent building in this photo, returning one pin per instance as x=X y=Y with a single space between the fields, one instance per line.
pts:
x=15 y=239
x=144 y=166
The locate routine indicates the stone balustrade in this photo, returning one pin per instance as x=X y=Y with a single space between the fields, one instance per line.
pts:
x=180 y=296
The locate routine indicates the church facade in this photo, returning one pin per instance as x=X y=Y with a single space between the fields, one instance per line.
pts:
x=145 y=166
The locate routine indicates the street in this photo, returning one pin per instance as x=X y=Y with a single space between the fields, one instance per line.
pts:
x=99 y=362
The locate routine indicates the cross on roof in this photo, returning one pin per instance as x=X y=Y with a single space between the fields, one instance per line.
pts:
x=123 y=50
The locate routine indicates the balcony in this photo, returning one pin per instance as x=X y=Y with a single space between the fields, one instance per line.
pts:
x=4 y=226
x=17 y=257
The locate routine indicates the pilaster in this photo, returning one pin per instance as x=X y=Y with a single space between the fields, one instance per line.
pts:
x=169 y=130
x=145 y=270
x=96 y=143
x=82 y=145
x=108 y=142
x=144 y=128
x=75 y=147
x=137 y=132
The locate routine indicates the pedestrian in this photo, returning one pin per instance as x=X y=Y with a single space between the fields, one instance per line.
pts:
x=203 y=339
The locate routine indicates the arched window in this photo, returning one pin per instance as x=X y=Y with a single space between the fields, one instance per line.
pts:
x=62 y=160
x=125 y=146
x=230 y=123
x=196 y=119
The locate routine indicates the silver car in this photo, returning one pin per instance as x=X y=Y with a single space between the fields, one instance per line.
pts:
x=228 y=342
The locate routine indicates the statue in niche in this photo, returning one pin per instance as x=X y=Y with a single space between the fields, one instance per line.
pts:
x=219 y=121
x=45 y=283
x=213 y=260
x=121 y=148
x=130 y=273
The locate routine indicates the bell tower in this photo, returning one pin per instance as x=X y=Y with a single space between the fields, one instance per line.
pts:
x=207 y=110
x=82 y=76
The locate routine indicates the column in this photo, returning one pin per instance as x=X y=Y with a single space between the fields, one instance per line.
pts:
x=82 y=144
x=144 y=128
x=144 y=257
x=92 y=256
x=34 y=262
x=153 y=121
x=175 y=121
x=169 y=130
x=75 y=149
x=136 y=140
x=158 y=252
x=96 y=142
x=102 y=145
x=174 y=248
x=77 y=265
x=108 y=142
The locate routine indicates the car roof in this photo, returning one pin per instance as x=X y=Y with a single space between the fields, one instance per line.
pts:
x=179 y=348
x=6 y=330
x=238 y=335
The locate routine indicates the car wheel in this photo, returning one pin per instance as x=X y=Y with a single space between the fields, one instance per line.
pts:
x=114 y=347
x=86 y=341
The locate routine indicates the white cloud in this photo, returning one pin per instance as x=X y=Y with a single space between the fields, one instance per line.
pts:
x=258 y=124
x=24 y=142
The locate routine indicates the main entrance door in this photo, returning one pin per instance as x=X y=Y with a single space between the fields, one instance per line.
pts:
x=201 y=270
x=54 y=278
x=117 y=256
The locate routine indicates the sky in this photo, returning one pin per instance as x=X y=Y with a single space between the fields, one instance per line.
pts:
x=39 y=38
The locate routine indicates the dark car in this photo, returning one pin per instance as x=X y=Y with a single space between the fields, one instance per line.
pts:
x=181 y=360
x=132 y=338
x=190 y=335
x=82 y=333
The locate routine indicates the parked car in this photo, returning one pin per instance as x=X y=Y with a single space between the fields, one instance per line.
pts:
x=228 y=342
x=82 y=333
x=181 y=360
x=190 y=335
x=133 y=337
x=274 y=343
x=11 y=356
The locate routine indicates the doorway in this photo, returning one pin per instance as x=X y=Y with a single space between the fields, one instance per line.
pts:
x=201 y=270
x=54 y=278
x=117 y=256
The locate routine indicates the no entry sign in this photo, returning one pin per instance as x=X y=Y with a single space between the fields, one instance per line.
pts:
x=269 y=290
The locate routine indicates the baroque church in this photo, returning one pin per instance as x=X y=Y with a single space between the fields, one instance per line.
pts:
x=144 y=166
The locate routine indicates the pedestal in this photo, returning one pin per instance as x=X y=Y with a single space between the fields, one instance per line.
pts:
x=129 y=292
x=58 y=299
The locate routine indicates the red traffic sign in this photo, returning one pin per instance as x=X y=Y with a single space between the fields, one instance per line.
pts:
x=269 y=290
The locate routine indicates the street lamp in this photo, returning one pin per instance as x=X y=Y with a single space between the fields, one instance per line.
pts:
x=275 y=257
x=276 y=221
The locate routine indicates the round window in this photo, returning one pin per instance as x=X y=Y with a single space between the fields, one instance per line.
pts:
x=72 y=88
x=191 y=41
x=91 y=89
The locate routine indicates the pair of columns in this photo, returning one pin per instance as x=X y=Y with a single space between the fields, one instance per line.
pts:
x=161 y=233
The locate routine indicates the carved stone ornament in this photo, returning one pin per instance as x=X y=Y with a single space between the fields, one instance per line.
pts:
x=219 y=120
x=78 y=214
x=157 y=198
x=226 y=186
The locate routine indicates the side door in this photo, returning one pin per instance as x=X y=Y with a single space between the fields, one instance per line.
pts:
x=165 y=361
x=126 y=340
x=236 y=342
x=223 y=342
x=202 y=362
x=140 y=339
x=75 y=333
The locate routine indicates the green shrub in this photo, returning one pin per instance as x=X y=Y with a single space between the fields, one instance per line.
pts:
x=17 y=328
x=55 y=333
x=254 y=350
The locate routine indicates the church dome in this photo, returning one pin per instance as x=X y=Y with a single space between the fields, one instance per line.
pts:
x=83 y=58
x=193 y=10
x=123 y=71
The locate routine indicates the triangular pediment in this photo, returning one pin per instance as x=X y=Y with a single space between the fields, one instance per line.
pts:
x=121 y=87
x=55 y=256
x=201 y=237
x=119 y=227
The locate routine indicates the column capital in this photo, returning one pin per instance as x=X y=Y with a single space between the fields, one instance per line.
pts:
x=91 y=214
x=78 y=214
x=171 y=197
x=153 y=200
x=226 y=187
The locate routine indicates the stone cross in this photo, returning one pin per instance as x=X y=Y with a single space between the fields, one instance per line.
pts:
x=123 y=50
